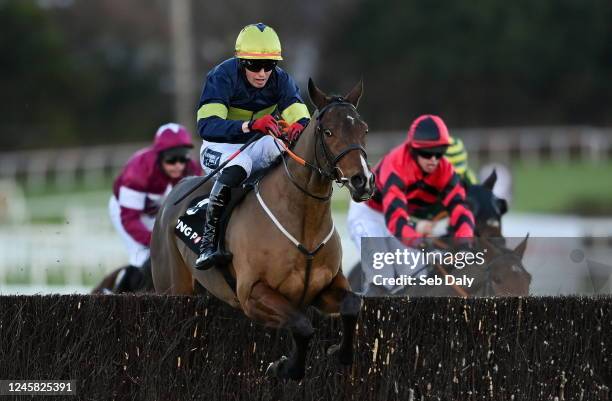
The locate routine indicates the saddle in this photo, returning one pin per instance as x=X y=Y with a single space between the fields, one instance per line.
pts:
x=189 y=226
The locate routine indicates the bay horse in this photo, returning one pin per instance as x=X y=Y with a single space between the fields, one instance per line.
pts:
x=501 y=274
x=487 y=208
x=286 y=252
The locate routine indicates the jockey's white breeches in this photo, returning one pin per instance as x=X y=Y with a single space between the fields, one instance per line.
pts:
x=137 y=252
x=258 y=155
x=363 y=221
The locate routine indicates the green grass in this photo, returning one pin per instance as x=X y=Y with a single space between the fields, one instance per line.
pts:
x=104 y=183
x=581 y=188
x=55 y=277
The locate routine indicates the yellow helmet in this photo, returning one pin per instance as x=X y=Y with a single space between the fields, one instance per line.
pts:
x=258 y=42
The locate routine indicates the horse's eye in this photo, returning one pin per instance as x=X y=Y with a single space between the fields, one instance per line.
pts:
x=327 y=132
x=367 y=130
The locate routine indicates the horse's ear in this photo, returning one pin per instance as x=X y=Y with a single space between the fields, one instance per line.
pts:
x=520 y=249
x=317 y=97
x=489 y=183
x=355 y=94
x=502 y=204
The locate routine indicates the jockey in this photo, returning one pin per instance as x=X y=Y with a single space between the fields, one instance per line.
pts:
x=410 y=179
x=138 y=191
x=237 y=102
x=457 y=155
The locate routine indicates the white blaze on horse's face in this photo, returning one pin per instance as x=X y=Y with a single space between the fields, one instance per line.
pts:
x=351 y=119
x=366 y=170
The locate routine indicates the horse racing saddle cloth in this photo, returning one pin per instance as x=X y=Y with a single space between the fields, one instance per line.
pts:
x=190 y=225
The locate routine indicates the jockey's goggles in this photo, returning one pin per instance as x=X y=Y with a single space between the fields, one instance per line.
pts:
x=257 y=65
x=176 y=159
x=428 y=154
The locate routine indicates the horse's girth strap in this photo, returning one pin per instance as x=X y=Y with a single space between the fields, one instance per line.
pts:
x=287 y=234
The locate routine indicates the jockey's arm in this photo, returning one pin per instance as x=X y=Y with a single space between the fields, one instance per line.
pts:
x=132 y=204
x=395 y=212
x=291 y=105
x=469 y=177
x=215 y=128
x=213 y=109
x=458 y=156
x=460 y=216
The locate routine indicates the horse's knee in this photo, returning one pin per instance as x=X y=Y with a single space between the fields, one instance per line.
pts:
x=350 y=305
x=249 y=308
x=301 y=326
x=263 y=313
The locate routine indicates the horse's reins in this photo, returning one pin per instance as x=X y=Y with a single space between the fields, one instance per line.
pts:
x=339 y=178
x=205 y=179
x=458 y=289
x=335 y=173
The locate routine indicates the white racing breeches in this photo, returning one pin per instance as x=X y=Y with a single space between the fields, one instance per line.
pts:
x=363 y=221
x=137 y=252
x=258 y=155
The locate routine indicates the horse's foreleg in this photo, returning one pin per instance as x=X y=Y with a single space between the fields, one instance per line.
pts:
x=338 y=298
x=273 y=309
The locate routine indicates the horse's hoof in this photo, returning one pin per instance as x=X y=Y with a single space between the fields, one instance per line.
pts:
x=345 y=358
x=273 y=367
x=281 y=370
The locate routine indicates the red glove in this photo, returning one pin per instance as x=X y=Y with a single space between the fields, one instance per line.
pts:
x=265 y=124
x=294 y=131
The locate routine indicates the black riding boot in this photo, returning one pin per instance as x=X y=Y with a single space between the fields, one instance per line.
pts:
x=219 y=197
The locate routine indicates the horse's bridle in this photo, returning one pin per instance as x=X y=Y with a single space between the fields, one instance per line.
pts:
x=486 y=285
x=333 y=173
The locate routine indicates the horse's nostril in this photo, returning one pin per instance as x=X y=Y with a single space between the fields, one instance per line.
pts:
x=358 y=181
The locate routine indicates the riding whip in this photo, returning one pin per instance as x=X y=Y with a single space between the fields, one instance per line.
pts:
x=216 y=170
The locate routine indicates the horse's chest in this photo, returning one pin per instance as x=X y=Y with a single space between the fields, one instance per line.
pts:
x=298 y=260
x=319 y=274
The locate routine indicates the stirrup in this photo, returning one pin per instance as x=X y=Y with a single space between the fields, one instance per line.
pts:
x=205 y=262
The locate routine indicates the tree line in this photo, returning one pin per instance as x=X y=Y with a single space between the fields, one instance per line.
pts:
x=99 y=72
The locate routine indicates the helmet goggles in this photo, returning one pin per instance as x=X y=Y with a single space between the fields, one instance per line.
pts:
x=256 y=65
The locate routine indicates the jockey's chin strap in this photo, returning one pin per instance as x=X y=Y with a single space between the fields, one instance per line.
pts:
x=333 y=172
